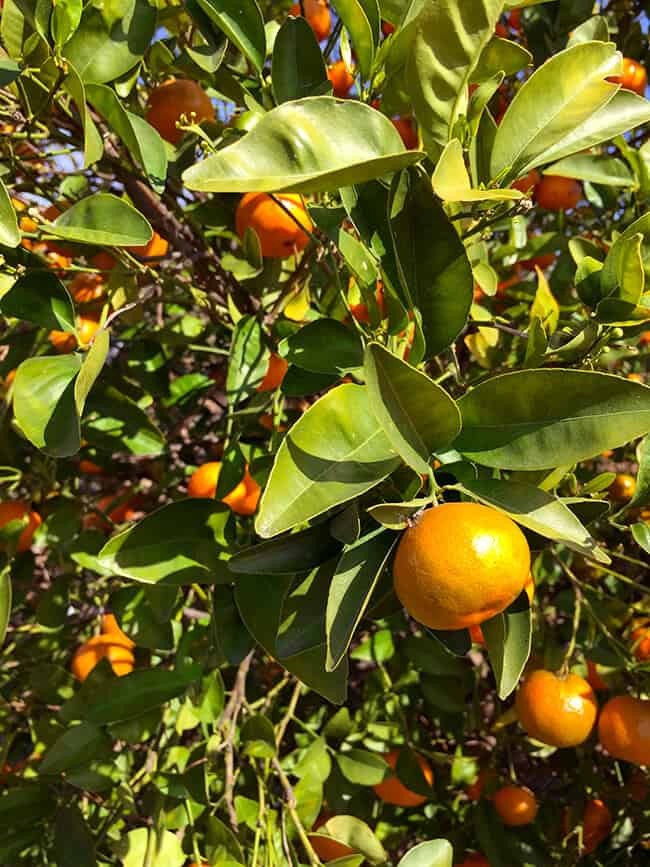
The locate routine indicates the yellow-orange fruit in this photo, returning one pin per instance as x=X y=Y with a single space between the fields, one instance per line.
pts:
x=156 y=248
x=89 y=654
x=476 y=633
x=281 y=234
x=111 y=627
x=554 y=193
x=622 y=488
x=515 y=805
x=14 y=510
x=559 y=711
x=460 y=564
x=275 y=372
x=624 y=729
x=174 y=98
x=393 y=791
x=341 y=78
x=317 y=13
x=634 y=77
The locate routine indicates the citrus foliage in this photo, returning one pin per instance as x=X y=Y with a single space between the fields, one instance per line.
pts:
x=281 y=288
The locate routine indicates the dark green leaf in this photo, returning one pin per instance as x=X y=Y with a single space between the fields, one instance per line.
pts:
x=76 y=746
x=103 y=219
x=287 y=555
x=40 y=297
x=324 y=346
x=508 y=639
x=298 y=68
x=73 y=842
x=243 y=24
x=119 y=424
x=9 y=231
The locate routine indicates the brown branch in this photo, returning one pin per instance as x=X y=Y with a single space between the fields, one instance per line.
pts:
x=228 y=721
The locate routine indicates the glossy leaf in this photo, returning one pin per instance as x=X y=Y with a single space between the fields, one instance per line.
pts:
x=243 y=24
x=641 y=496
x=501 y=55
x=298 y=68
x=395 y=516
x=432 y=260
x=249 y=359
x=417 y=416
x=540 y=419
x=361 y=767
x=570 y=87
x=119 y=422
x=362 y=20
x=309 y=145
x=355 y=834
x=508 y=641
x=302 y=619
x=132 y=847
x=140 y=139
x=9 y=231
x=536 y=510
x=40 y=298
x=180 y=543
x=102 y=218
x=258 y=737
x=449 y=37
x=356 y=576
x=101 y=54
x=287 y=555
x=324 y=346
x=76 y=746
x=452 y=183
x=594 y=168
x=433 y=853
x=93 y=143
x=263 y=623
x=641 y=535
x=313 y=472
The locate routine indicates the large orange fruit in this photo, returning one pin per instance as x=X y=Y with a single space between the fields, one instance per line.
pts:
x=281 y=234
x=393 y=791
x=624 y=729
x=275 y=372
x=476 y=633
x=317 y=13
x=634 y=77
x=460 y=564
x=559 y=711
x=554 y=193
x=14 y=510
x=515 y=805
x=170 y=100
x=596 y=824
x=88 y=655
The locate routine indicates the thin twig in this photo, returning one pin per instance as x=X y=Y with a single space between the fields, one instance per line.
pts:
x=291 y=807
x=293 y=701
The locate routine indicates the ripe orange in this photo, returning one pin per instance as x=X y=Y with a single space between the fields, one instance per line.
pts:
x=622 y=488
x=514 y=19
x=90 y=468
x=280 y=234
x=156 y=248
x=528 y=182
x=64 y=341
x=476 y=633
x=486 y=776
x=275 y=372
x=460 y=564
x=203 y=481
x=329 y=850
x=317 y=13
x=341 y=78
x=173 y=98
x=515 y=805
x=119 y=514
x=554 y=193
x=103 y=260
x=624 y=729
x=360 y=311
x=408 y=132
x=559 y=711
x=14 y=510
x=111 y=627
x=88 y=655
x=641 y=639
x=596 y=824
x=85 y=288
x=243 y=498
x=596 y=682
x=393 y=791
x=387 y=28
x=634 y=77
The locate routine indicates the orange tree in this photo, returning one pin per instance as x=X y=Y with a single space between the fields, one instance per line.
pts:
x=313 y=402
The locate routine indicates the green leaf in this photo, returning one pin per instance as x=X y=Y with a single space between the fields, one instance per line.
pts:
x=249 y=359
x=243 y=24
x=571 y=87
x=78 y=745
x=302 y=620
x=362 y=20
x=40 y=297
x=309 y=145
x=641 y=534
x=641 y=495
x=263 y=623
x=5 y=602
x=258 y=737
x=623 y=269
x=100 y=53
x=312 y=472
x=73 y=842
x=102 y=219
x=501 y=55
x=44 y=404
x=449 y=37
x=167 y=851
x=140 y=139
x=432 y=260
x=541 y=419
x=452 y=183
x=596 y=168
x=536 y=510
x=180 y=543
x=298 y=68
x=138 y=692
x=9 y=231
x=66 y=16
x=355 y=834
x=324 y=346
x=395 y=516
x=356 y=576
x=362 y=767
x=417 y=416
x=508 y=640
x=358 y=259
x=433 y=853
x=9 y=71
x=120 y=424
x=287 y=555
x=594 y=29
x=93 y=143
